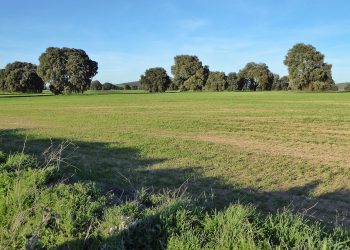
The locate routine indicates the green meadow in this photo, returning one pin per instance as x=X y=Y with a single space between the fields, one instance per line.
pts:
x=271 y=150
x=283 y=145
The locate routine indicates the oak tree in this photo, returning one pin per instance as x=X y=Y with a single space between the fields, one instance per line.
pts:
x=21 y=77
x=307 y=69
x=96 y=85
x=216 y=81
x=67 y=70
x=189 y=73
x=155 y=80
x=255 y=76
x=232 y=81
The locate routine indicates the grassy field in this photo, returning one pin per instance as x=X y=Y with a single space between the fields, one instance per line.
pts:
x=270 y=149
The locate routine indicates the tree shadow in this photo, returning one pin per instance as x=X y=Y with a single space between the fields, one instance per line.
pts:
x=3 y=96
x=319 y=209
x=121 y=169
x=120 y=92
x=331 y=209
x=110 y=165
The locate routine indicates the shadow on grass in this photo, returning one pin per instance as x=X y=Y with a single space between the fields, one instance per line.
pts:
x=121 y=169
x=110 y=165
x=116 y=92
x=127 y=92
x=3 y=96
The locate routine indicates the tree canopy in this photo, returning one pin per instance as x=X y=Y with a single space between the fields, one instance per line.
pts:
x=109 y=86
x=155 y=80
x=21 y=77
x=67 y=70
x=2 y=80
x=189 y=73
x=96 y=85
x=216 y=81
x=280 y=83
x=232 y=81
x=307 y=69
x=255 y=76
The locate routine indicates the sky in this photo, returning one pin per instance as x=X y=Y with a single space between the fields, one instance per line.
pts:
x=127 y=37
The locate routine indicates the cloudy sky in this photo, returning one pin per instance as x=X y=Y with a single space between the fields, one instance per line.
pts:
x=127 y=37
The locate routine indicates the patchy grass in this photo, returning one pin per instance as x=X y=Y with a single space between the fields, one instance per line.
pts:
x=271 y=149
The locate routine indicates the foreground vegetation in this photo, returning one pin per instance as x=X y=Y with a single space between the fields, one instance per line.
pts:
x=41 y=208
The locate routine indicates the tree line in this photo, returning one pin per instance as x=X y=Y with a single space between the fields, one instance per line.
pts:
x=306 y=67
x=69 y=70
x=97 y=85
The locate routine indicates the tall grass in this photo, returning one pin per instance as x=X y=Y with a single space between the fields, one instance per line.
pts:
x=39 y=210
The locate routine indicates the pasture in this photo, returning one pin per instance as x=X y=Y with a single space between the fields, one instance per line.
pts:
x=270 y=149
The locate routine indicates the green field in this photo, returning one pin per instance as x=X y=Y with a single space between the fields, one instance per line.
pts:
x=270 y=149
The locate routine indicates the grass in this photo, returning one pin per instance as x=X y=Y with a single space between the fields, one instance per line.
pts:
x=270 y=149
x=40 y=210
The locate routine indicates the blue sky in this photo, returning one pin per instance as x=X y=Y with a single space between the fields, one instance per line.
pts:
x=127 y=37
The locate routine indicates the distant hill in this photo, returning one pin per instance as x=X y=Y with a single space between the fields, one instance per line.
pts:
x=341 y=86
